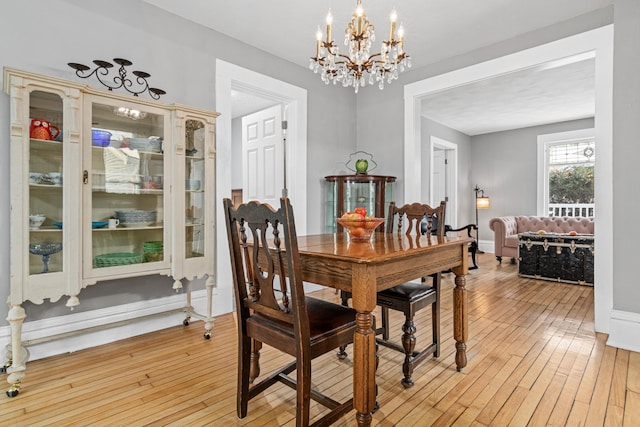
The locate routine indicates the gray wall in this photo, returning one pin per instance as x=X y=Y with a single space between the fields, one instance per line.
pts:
x=626 y=152
x=505 y=166
x=180 y=56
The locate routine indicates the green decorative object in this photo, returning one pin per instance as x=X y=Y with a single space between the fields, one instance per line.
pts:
x=361 y=162
x=362 y=165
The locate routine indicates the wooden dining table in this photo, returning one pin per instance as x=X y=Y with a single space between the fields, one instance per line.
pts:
x=366 y=268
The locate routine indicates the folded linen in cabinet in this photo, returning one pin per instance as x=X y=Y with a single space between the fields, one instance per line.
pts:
x=122 y=170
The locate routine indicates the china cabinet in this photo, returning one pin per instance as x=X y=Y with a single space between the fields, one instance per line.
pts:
x=346 y=192
x=103 y=186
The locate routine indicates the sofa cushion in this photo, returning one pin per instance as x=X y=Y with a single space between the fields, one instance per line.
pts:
x=555 y=224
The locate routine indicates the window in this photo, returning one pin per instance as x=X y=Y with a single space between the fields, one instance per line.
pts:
x=566 y=164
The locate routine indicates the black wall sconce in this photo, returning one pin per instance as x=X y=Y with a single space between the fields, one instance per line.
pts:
x=103 y=69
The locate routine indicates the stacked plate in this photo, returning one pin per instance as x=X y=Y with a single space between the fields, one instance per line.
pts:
x=115 y=259
x=152 y=145
x=136 y=218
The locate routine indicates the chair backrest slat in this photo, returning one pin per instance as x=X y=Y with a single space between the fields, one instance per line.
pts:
x=410 y=216
x=266 y=263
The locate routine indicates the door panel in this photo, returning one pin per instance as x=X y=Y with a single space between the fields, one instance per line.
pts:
x=262 y=156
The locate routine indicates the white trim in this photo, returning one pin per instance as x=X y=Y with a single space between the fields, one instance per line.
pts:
x=543 y=160
x=625 y=330
x=452 y=204
x=294 y=100
x=74 y=322
x=600 y=41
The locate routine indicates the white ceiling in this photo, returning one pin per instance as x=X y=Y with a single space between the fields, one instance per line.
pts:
x=434 y=30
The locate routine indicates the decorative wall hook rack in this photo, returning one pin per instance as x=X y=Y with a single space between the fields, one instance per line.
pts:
x=103 y=69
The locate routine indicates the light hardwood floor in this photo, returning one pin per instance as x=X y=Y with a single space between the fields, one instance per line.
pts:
x=534 y=359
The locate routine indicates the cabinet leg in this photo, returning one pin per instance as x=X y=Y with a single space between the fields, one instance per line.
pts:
x=19 y=355
x=208 y=321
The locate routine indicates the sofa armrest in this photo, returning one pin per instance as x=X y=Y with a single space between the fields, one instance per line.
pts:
x=502 y=228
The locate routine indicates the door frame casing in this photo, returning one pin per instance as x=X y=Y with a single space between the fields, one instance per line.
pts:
x=600 y=41
x=294 y=100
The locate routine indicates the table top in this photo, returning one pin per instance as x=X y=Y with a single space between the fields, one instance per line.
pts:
x=383 y=246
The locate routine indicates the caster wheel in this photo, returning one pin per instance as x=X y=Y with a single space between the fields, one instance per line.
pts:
x=207 y=335
x=341 y=354
x=12 y=392
x=185 y=322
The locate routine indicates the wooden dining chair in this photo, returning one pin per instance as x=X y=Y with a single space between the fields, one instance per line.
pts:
x=271 y=307
x=410 y=297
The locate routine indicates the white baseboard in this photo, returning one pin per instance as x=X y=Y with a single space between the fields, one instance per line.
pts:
x=624 y=330
x=141 y=317
x=486 y=246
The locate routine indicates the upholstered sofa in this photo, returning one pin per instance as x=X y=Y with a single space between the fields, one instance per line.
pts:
x=506 y=230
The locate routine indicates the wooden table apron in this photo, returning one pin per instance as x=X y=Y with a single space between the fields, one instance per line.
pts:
x=366 y=268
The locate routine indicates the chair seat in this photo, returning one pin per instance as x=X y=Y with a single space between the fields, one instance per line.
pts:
x=326 y=320
x=408 y=291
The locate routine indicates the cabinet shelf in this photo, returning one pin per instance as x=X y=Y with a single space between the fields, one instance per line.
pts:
x=136 y=192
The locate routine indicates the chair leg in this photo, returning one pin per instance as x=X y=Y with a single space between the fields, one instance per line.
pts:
x=254 y=371
x=385 y=323
x=409 y=345
x=244 y=357
x=473 y=248
x=435 y=315
x=303 y=390
x=342 y=354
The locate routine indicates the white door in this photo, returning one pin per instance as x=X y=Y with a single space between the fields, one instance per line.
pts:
x=444 y=160
x=262 y=161
x=439 y=176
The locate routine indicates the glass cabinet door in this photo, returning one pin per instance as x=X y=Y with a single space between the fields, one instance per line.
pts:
x=194 y=185
x=45 y=183
x=127 y=167
x=360 y=194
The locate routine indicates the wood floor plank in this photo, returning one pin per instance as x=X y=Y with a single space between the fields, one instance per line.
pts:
x=533 y=359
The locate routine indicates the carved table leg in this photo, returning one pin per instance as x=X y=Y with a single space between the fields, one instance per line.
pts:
x=460 y=320
x=364 y=369
x=19 y=355
x=254 y=364
x=364 y=344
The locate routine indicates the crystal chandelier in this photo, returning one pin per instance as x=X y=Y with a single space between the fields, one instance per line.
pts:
x=360 y=65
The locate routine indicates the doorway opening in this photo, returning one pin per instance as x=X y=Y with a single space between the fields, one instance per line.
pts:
x=599 y=41
x=443 y=184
